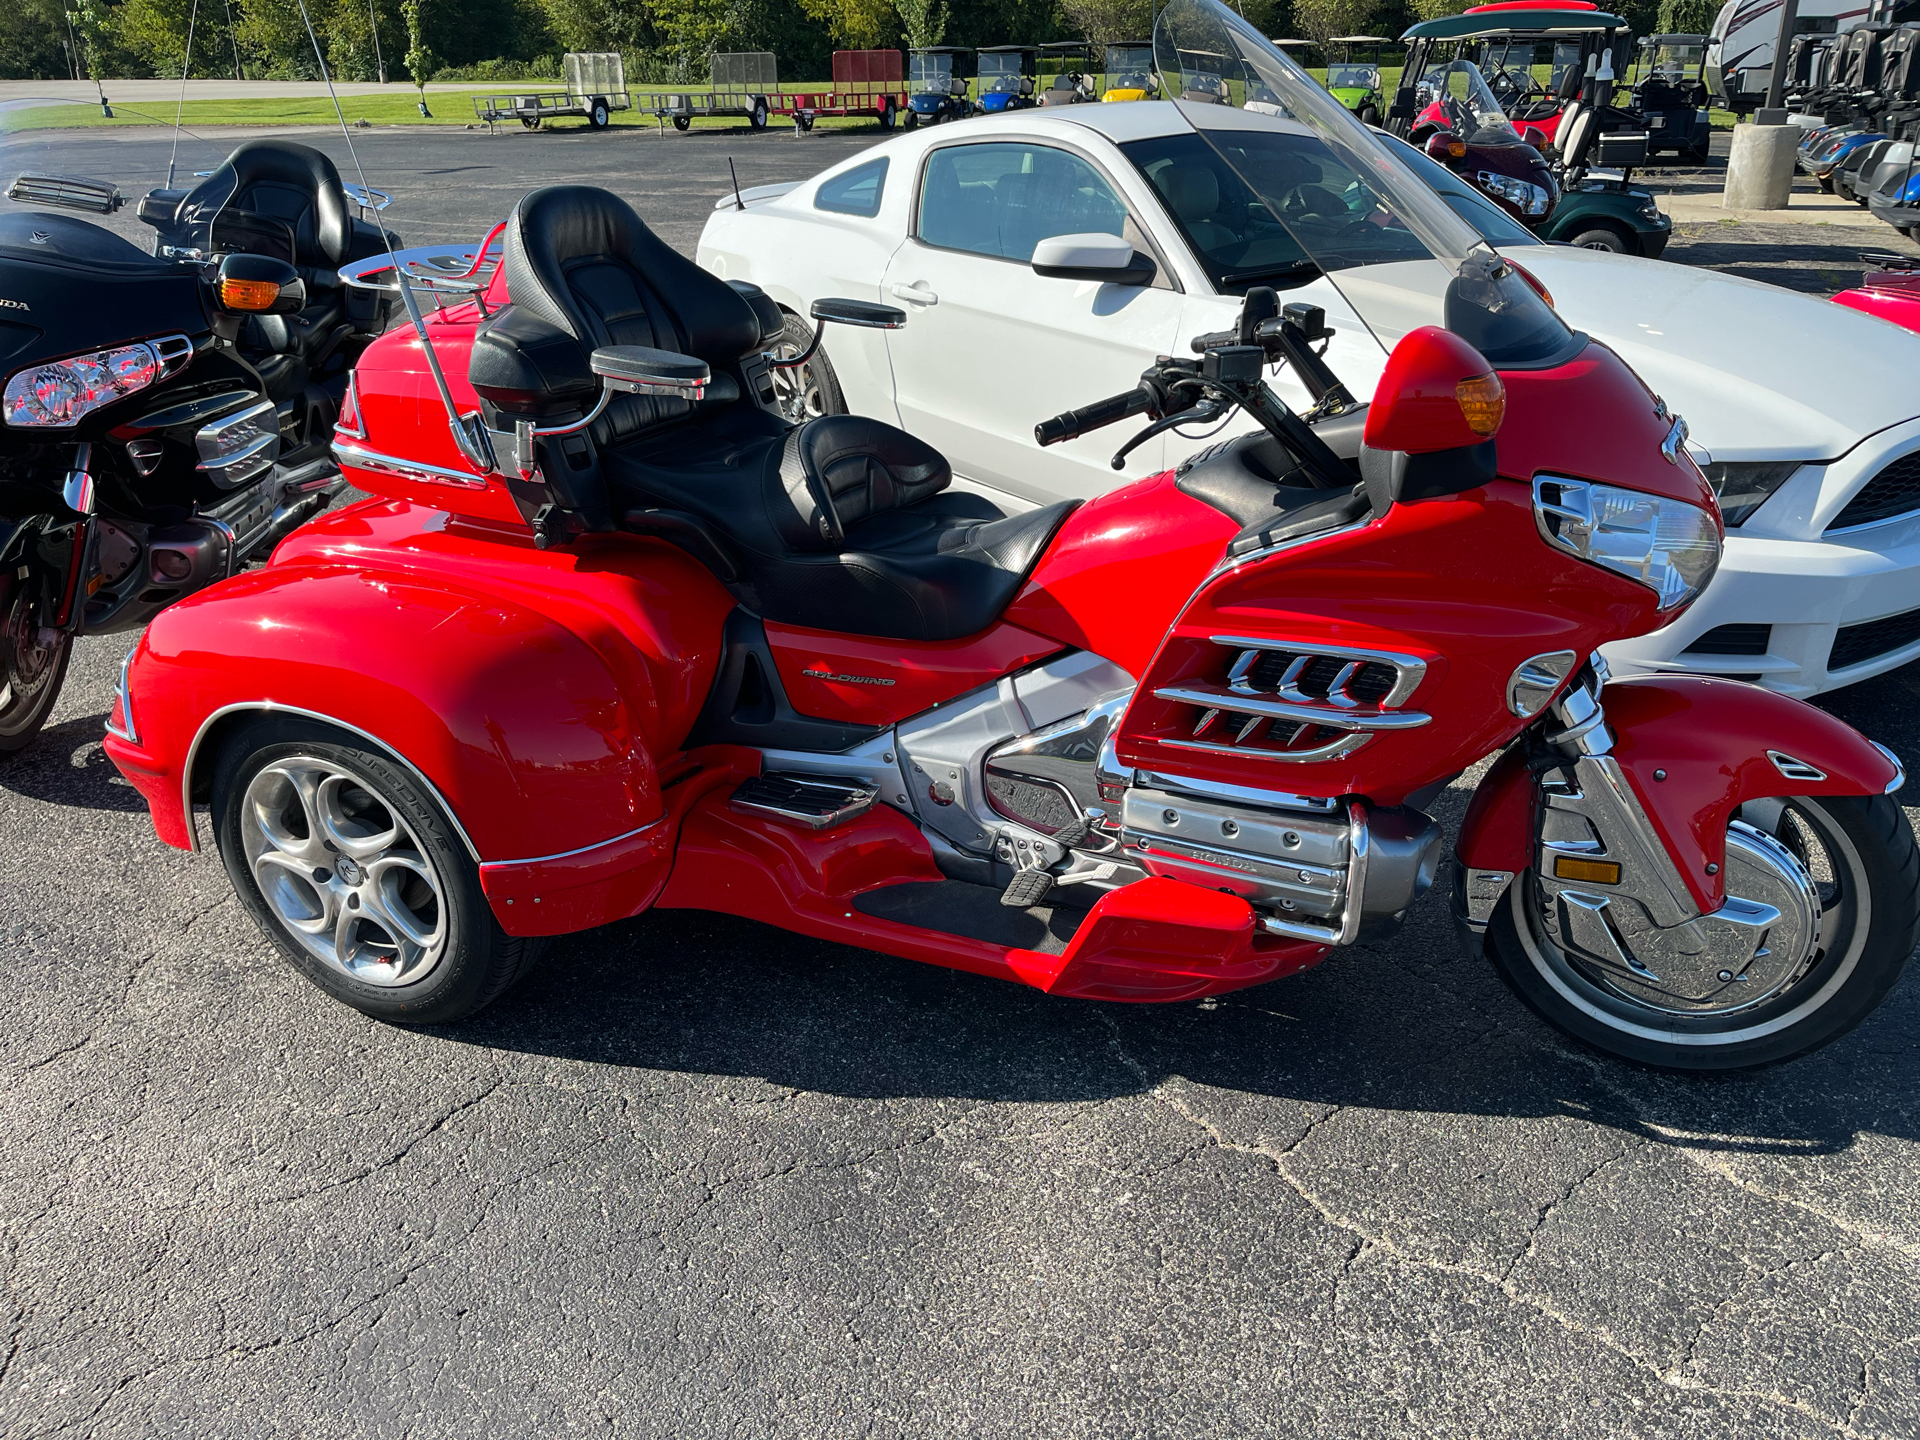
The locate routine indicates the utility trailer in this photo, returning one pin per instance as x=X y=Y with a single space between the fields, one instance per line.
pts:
x=596 y=87
x=746 y=84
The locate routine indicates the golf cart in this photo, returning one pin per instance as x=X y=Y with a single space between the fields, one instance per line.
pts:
x=1130 y=73
x=1006 y=77
x=1598 y=207
x=1067 y=68
x=1203 y=78
x=1353 y=78
x=1671 y=96
x=937 y=85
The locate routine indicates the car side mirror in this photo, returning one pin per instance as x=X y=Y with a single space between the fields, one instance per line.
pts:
x=1091 y=257
x=863 y=314
x=642 y=370
x=259 y=285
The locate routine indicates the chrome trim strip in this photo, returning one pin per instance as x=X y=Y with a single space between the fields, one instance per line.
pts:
x=415 y=470
x=351 y=401
x=1349 y=931
x=583 y=850
x=1412 y=669
x=1219 y=790
x=273 y=707
x=128 y=731
x=1234 y=562
x=1333 y=718
x=1899 y=770
x=1334 y=750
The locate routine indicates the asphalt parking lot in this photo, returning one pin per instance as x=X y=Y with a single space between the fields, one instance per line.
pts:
x=703 y=1178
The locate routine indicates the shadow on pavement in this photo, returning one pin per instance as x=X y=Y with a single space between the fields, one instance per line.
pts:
x=66 y=765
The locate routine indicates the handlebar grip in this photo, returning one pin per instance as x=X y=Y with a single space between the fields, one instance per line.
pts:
x=1075 y=423
x=1215 y=340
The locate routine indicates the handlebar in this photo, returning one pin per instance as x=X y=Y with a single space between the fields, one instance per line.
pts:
x=1075 y=423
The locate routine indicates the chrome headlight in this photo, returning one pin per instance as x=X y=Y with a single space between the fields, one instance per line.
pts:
x=59 y=394
x=1745 y=485
x=1527 y=198
x=1669 y=546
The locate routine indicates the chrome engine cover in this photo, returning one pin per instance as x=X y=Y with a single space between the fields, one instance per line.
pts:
x=1294 y=863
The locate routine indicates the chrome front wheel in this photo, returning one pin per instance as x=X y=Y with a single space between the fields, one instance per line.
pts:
x=1820 y=920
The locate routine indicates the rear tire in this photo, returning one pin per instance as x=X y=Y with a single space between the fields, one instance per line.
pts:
x=885 y=115
x=530 y=122
x=1603 y=237
x=1861 y=856
x=1825 y=182
x=598 y=116
x=758 y=119
x=683 y=122
x=812 y=390
x=31 y=673
x=352 y=869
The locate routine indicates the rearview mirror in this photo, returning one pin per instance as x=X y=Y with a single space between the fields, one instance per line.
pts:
x=642 y=370
x=259 y=285
x=863 y=314
x=1534 y=136
x=1437 y=393
x=1091 y=257
x=1445 y=145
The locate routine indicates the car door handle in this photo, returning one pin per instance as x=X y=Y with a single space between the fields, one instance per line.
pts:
x=916 y=293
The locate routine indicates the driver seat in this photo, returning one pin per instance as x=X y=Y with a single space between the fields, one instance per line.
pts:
x=843 y=523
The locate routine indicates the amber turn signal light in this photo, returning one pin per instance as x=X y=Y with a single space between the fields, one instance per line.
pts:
x=1594 y=872
x=251 y=296
x=1483 y=402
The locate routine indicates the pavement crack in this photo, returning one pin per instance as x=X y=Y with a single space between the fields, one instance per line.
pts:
x=1548 y=1209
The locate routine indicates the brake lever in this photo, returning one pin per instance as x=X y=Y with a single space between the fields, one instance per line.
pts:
x=1193 y=414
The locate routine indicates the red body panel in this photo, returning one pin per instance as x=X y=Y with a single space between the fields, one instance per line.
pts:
x=865 y=680
x=1121 y=569
x=1902 y=307
x=1711 y=738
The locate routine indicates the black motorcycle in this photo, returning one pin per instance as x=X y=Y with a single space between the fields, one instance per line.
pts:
x=165 y=418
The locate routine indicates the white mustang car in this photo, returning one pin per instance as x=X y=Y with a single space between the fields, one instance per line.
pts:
x=1805 y=415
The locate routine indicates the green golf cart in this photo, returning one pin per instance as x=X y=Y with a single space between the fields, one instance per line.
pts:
x=1353 y=74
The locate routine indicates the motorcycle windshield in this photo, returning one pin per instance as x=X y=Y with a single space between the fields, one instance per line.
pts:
x=1317 y=193
x=1456 y=95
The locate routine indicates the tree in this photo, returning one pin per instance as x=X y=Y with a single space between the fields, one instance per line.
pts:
x=855 y=24
x=1107 y=22
x=925 y=21
x=420 y=59
x=1686 y=17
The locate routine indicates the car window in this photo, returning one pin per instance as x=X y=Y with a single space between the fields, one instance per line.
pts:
x=857 y=192
x=1003 y=199
x=1489 y=219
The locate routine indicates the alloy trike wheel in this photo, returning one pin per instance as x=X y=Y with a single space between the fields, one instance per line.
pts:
x=805 y=392
x=350 y=866
x=1841 y=875
x=33 y=664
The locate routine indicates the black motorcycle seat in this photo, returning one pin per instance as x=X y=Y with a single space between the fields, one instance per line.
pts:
x=842 y=524
x=289 y=182
x=838 y=524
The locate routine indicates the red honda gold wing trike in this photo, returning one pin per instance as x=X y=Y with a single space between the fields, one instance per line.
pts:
x=614 y=634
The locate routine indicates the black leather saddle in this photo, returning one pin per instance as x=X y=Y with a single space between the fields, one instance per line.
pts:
x=842 y=523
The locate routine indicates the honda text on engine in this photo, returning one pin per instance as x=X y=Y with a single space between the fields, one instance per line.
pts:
x=615 y=633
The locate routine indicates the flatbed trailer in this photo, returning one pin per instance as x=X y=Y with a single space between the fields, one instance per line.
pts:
x=746 y=85
x=596 y=87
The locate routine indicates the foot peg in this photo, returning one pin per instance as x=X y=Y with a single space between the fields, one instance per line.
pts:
x=812 y=802
x=1028 y=889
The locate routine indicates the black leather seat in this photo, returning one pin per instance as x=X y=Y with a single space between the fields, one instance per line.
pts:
x=843 y=523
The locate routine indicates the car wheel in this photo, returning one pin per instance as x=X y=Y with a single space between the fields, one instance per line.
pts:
x=1856 y=860
x=354 y=872
x=683 y=122
x=33 y=666
x=758 y=119
x=1603 y=237
x=1825 y=182
x=805 y=392
x=885 y=115
x=597 y=115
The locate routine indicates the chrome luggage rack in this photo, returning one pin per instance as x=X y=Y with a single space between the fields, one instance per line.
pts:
x=451 y=274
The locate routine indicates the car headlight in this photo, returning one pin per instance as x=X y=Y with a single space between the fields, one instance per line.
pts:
x=1649 y=209
x=1669 y=546
x=1745 y=485
x=1527 y=198
x=58 y=395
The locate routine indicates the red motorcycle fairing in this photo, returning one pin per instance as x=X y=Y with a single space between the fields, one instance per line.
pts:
x=1458 y=590
x=866 y=680
x=1694 y=749
x=534 y=693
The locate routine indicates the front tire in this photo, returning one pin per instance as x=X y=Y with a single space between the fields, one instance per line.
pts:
x=1825 y=182
x=1603 y=237
x=33 y=666
x=810 y=390
x=1860 y=855
x=355 y=873
x=885 y=115
x=758 y=119
x=912 y=121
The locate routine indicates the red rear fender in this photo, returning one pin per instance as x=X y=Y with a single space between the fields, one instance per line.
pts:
x=533 y=741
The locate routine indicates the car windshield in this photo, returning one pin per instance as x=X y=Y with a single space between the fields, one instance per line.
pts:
x=1303 y=188
x=931 y=73
x=1352 y=77
x=1456 y=97
x=1566 y=56
x=1000 y=72
x=1675 y=61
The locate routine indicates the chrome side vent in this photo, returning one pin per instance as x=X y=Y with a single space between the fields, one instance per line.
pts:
x=1795 y=769
x=1299 y=702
